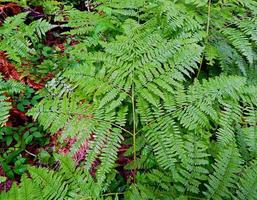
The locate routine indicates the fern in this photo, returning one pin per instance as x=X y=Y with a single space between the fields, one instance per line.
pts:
x=223 y=178
x=194 y=164
x=249 y=130
x=197 y=2
x=232 y=39
x=247 y=185
x=241 y=43
x=125 y=8
x=117 y=83
x=7 y=87
x=173 y=80
x=48 y=184
x=17 y=38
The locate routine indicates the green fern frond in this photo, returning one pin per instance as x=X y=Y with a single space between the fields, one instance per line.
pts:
x=194 y=166
x=109 y=154
x=166 y=139
x=7 y=88
x=248 y=26
x=247 y=185
x=230 y=115
x=240 y=42
x=250 y=129
x=39 y=28
x=68 y=182
x=122 y=8
x=223 y=180
x=16 y=36
x=131 y=81
x=4 y=110
x=197 y=2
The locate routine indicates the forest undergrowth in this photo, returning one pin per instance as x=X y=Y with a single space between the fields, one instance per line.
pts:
x=131 y=99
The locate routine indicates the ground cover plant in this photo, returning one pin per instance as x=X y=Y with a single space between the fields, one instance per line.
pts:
x=111 y=99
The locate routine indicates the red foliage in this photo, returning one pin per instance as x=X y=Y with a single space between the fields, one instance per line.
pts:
x=52 y=40
x=122 y=161
x=74 y=42
x=81 y=153
x=61 y=47
x=5 y=186
x=8 y=70
x=38 y=9
x=9 y=9
x=17 y=117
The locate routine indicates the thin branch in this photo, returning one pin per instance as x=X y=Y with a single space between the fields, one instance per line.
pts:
x=30 y=153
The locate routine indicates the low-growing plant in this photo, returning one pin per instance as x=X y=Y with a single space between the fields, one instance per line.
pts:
x=159 y=97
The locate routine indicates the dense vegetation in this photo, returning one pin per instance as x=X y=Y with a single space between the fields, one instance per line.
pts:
x=131 y=99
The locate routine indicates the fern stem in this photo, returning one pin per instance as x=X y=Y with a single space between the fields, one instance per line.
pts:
x=117 y=126
x=111 y=194
x=104 y=195
x=134 y=124
x=208 y=20
x=125 y=130
x=207 y=35
x=192 y=197
x=113 y=124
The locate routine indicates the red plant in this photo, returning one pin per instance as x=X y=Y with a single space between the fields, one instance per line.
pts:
x=122 y=161
x=9 y=9
x=6 y=185
x=8 y=70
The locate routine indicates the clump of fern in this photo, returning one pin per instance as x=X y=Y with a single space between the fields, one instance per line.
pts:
x=67 y=182
x=17 y=38
x=174 y=80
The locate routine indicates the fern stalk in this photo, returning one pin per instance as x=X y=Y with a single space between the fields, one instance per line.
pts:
x=207 y=35
x=134 y=125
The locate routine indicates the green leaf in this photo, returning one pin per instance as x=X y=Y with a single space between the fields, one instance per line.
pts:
x=37 y=134
x=28 y=139
x=2 y=179
x=9 y=140
x=21 y=107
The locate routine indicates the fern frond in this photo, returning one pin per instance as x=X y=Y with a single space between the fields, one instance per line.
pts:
x=250 y=130
x=194 y=166
x=230 y=115
x=248 y=183
x=16 y=36
x=165 y=137
x=39 y=28
x=86 y=23
x=197 y=2
x=223 y=180
x=4 y=110
x=109 y=154
x=240 y=42
x=121 y=8
x=52 y=184
x=68 y=182
x=248 y=26
x=7 y=88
